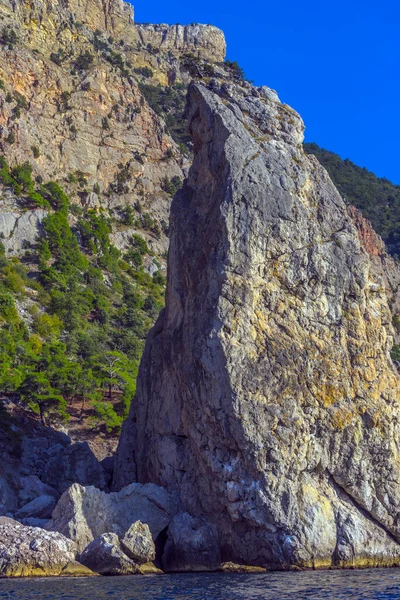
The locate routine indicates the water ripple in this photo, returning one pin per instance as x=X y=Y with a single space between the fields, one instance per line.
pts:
x=374 y=584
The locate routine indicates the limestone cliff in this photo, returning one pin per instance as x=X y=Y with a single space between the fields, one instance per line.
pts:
x=71 y=102
x=266 y=395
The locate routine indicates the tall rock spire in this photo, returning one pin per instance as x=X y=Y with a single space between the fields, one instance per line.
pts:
x=266 y=395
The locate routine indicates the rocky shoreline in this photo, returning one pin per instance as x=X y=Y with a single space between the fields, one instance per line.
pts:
x=89 y=535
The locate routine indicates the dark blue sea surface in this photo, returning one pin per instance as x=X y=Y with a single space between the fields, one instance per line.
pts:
x=312 y=585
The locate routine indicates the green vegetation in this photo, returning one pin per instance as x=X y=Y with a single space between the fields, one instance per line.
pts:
x=171 y=186
x=395 y=353
x=377 y=198
x=84 y=61
x=8 y=37
x=114 y=58
x=169 y=103
x=236 y=70
x=20 y=180
x=90 y=311
x=144 y=71
x=122 y=178
x=58 y=57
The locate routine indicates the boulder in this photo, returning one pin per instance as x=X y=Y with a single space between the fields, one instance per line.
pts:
x=32 y=487
x=138 y=544
x=104 y=556
x=192 y=545
x=34 y=552
x=40 y=508
x=83 y=514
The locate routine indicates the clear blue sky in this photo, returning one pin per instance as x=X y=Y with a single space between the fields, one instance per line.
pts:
x=336 y=62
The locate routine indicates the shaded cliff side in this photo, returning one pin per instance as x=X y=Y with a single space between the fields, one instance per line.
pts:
x=266 y=394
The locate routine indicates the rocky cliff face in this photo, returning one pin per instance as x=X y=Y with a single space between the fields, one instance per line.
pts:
x=70 y=103
x=81 y=105
x=385 y=266
x=266 y=396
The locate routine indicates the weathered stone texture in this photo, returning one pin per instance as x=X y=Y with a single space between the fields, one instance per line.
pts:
x=104 y=556
x=83 y=514
x=266 y=395
x=138 y=544
x=33 y=552
x=204 y=41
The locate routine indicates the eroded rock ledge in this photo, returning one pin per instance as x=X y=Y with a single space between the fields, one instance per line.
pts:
x=266 y=396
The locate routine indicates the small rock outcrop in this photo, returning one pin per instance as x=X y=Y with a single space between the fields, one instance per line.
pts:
x=104 y=556
x=34 y=552
x=204 y=41
x=192 y=545
x=266 y=395
x=84 y=514
x=138 y=544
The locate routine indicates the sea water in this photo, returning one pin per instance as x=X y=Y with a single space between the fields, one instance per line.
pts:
x=310 y=585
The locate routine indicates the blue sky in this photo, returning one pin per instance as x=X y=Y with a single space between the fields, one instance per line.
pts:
x=336 y=62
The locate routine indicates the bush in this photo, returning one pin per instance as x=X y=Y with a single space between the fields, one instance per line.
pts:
x=22 y=175
x=105 y=413
x=123 y=176
x=158 y=278
x=8 y=37
x=171 y=186
x=64 y=100
x=5 y=176
x=58 y=57
x=10 y=139
x=57 y=197
x=21 y=101
x=395 y=353
x=38 y=201
x=144 y=71
x=236 y=69
x=128 y=216
x=84 y=61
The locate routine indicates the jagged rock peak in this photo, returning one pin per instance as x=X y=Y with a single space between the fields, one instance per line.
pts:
x=266 y=394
